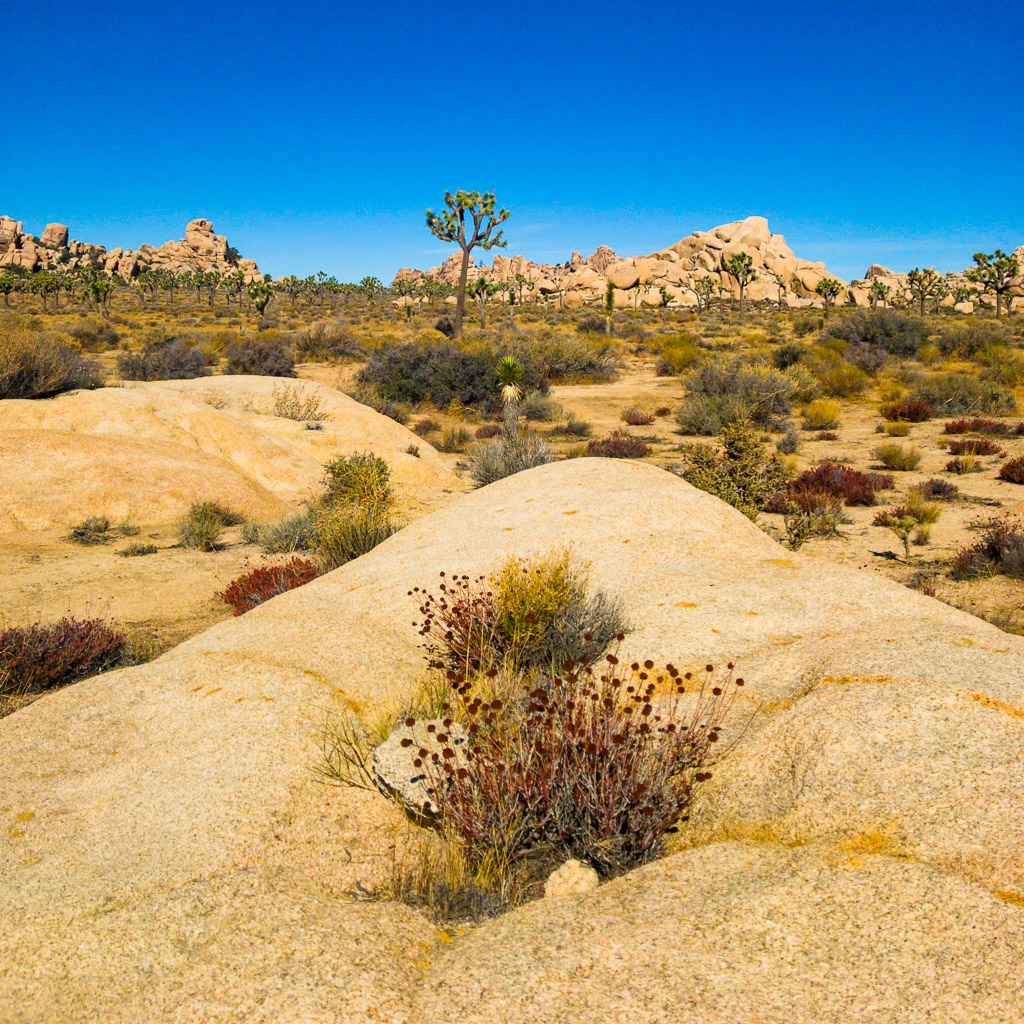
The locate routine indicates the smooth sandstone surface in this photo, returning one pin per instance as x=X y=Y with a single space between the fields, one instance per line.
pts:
x=146 y=450
x=167 y=853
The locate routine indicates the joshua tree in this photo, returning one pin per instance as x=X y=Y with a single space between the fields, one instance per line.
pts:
x=99 y=289
x=741 y=267
x=609 y=305
x=961 y=293
x=828 y=288
x=43 y=284
x=450 y=226
x=510 y=295
x=7 y=285
x=261 y=293
x=994 y=272
x=481 y=290
x=519 y=281
x=665 y=297
x=369 y=286
x=233 y=285
x=923 y=284
x=879 y=292
x=705 y=288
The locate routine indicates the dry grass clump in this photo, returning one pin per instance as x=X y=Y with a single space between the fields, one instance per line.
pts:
x=618 y=445
x=97 y=530
x=34 y=364
x=964 y=464
x=454 y=439
x=940 y=490
x=723 y=392
x=898 y=457
x=427 y=426
x=821 y=415
x=896 y=428
x=516 y=451
x=293 y=403
x=201 y=527
x=634 y=416
x=573 y=427
x=267 y=581
x=965 y=394
x=137 y=549
x=328 y=341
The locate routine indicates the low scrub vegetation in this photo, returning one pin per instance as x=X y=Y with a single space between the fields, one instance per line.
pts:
x=965 y=394
x=618 y=445
x=907 y=411
x=850 y=485
x=898 y=457
x=724 y=392
x=1013 y=471
x=1000 y=549
x=201 y=527
x=172 y=359
x=261 y=356
x=294 y=403
x=821 y=415
x=265 y=582
x=37 y=364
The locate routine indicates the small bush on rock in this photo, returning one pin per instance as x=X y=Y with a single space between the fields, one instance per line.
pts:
x=263 y=357
x=618 y=445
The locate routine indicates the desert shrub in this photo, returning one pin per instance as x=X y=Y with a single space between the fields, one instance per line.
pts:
x=790 y=442
x=173 y=359
x=838 y=378
x=963 y=393
x=328 y=341
x=292 y=533
x=803 y=326
x=941 y=490
x=591 y=324
x=898 y=457
x=367 y=395
x=136 y=549
x=427 y=426
x=826 y=435
x=844 y=482
x=1013 y=471
x=94 y=337
x=263 y=357
x=454 y=439
x=821 y=415
x=36 y=658
x=618 y=445
x=742 y=473
x=539 y=408
x=788 y=354
x=963 y=464
x=596 y=763
x=39 y=365
x=340 y=532
x=869 y=333
x=442 y=374
x=445 y=326
x=921 y=511
x=979 y=425
x=676 y=353
x=531 y=613
x=974 y=446
x=265 y=582
x=94 y=530
x=294 y=403
x=812 y=514
x=907 y=411
x=1000 y=549
x=966 y=338
x=201 y=527
x=720 y=393
x=634 y=416
x=359 y=479
x=413 y=450
x=516 y=451
x=896 y=428
x=487 y=430
x=573 y=427
x=564 y=359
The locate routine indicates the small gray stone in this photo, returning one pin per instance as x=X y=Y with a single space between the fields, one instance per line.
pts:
x=395 y=772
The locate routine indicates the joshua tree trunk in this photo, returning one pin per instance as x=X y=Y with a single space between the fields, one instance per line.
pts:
x=460 y=308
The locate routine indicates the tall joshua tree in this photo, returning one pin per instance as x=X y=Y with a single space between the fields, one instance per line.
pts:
x=923 y=284
x=994 y=273
x=828 y=288
x=741 y=267
x=450 y=226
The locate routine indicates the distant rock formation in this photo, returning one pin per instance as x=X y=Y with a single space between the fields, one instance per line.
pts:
x=200 y=249
x=672 y=273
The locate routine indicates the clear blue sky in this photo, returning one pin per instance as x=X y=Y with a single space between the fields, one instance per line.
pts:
x=314 y=135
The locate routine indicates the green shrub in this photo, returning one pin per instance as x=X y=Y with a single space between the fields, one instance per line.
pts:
x=328 y=341
x=539 y=408
x=94 y=337
x=963 y=393
x=342 y=532
x=838 y=378
x=201 y=527
x=359 y=479
x=898 y=457
x=742 y=473
x=263 y=357
x=821 y=415
x=34 y=364
x=516 y=451
x=878 y=332
x=966 y=338
x=724 y=392
x=173 y=359
x=454 y=439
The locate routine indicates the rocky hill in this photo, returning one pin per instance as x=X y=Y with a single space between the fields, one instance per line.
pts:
x=672 y=273
x=200 y=249
x=168 y=854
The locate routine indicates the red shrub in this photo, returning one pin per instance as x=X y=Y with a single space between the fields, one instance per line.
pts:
x=1013 y=471
x=597 y=762
x=662 y=410
x=487 y=430
x=618 y=446
x=976 y=425
x=36 y=658
x=266 y=582
x=975 y=446
x=636 y=417
x=909 y=411
x=851 y=485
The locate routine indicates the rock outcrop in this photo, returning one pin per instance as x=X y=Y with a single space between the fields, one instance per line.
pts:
x=146 y=450
x=167 y=854
x=200 y=249
x=670 y=275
